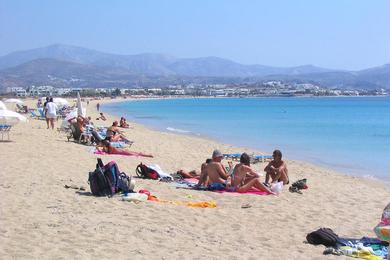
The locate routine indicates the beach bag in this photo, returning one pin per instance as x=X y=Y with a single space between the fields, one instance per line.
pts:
x=298 y=186
x=98 y=182
x=111 y=171
x=382 y=230
x=125 y=183
x=143 y=171
x=322 y=236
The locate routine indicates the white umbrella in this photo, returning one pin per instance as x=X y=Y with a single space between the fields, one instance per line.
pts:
x=61 y=101
x=8 y=117
x=73 y=114
x=80 y=110
x=2 y=106
x=14 y=100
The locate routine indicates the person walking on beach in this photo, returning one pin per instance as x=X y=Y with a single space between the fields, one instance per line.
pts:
x=44 y=111
x=98 y=106
x=244 y=178
x=277 y=169
x=51 y=112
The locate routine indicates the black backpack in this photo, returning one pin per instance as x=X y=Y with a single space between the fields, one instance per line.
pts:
x=324 y=236
x=99 y=183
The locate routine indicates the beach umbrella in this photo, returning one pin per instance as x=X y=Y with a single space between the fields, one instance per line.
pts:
x=80 y=110
x=61 y=101
x=2 y=106
x=73 y=114
x=8 y=117
x=14 y=100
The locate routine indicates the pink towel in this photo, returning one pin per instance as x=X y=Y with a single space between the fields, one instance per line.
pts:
x=136 y=154
x=250 y=191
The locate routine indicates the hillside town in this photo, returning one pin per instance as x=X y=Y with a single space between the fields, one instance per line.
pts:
x=269 y=88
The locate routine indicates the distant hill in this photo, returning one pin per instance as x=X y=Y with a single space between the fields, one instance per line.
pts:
x=64 y=65
x=150 y=63
x=69 y=74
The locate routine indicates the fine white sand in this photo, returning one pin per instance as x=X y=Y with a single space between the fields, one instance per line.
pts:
x=40 y=218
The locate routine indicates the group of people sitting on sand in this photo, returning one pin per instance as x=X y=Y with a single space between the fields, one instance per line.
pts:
x=241 y=177
x=111 y=140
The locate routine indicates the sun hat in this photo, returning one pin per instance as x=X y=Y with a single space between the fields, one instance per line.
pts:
x=217 y=153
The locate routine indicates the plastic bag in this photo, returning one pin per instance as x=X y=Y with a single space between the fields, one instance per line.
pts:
x=277 y=187
x=137 y=197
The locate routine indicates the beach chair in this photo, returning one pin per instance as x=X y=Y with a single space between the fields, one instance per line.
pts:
x=35 y=115
x=254 y=158
x=21 y=109
x=4 y=130
x=232 y=156
x=261 y=158
x=42 y=113
x=74 y=132
x=85 y=137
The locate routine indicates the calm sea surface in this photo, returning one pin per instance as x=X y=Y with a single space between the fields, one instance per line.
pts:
x=351 y=135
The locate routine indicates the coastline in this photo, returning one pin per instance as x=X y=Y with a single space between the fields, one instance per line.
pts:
x=59 y=222
x=311 y=158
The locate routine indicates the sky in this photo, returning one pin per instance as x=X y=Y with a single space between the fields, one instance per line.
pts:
x=337 y=34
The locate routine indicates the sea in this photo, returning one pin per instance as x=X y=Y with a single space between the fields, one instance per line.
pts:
x=347 y=134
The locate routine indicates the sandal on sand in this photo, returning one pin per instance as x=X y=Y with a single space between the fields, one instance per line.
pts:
x=246 y=206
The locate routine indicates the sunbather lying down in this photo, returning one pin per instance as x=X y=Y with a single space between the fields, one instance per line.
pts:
x=194 y=173
x=106 y=147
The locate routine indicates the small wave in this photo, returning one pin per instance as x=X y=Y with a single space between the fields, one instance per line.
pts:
x=369 y=176
x=177 y=130
x=147 y=117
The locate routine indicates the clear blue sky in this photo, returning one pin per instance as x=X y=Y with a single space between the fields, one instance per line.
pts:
x=343 y=34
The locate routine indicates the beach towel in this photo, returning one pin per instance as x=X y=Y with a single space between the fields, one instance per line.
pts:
x=161 y=174
x=149 y=197
x=191 y=184
x=189 y=204
x=135 y=154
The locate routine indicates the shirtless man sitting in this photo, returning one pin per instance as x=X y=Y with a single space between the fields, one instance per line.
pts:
x=244 y=178
x=214 y=174
x=276 y=169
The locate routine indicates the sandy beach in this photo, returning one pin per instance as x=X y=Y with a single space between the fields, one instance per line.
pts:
x=40 y=218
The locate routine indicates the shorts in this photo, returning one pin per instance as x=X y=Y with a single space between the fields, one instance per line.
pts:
x=51 y=116
x=216 y=186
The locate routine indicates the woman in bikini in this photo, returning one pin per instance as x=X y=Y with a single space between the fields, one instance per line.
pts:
x=244 y=178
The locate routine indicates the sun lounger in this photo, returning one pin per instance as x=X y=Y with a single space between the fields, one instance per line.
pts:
x=21 y=109
x=35 y=115
x=4 y=130
x=254 y=158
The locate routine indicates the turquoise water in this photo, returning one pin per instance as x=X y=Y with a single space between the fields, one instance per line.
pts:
x=351 y=135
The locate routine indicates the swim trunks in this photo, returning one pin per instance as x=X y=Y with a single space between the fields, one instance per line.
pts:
x=216 y=186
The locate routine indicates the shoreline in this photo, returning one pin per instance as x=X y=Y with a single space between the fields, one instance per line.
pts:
x=325 y=165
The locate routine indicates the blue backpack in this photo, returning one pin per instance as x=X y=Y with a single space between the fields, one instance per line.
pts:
x=107 y=180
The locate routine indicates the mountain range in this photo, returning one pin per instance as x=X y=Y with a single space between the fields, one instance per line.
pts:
x=71 y=66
